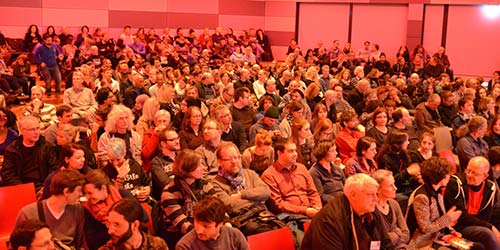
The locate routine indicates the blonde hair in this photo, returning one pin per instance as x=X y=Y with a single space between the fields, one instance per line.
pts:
x=149 y=108
x=357 y=183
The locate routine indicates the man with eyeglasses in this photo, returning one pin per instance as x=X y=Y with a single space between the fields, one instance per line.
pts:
x=477 y=197
x=29 y=158
x=212 y=132
x=161 y=165
x=243 y=193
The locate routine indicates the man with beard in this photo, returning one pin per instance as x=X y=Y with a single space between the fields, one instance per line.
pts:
x=209 y=230
x=125 y=223
x=161 y=165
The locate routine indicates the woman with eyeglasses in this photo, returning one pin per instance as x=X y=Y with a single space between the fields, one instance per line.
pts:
x=181 y=194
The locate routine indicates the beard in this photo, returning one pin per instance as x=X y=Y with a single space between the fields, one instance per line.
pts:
x=120 y=239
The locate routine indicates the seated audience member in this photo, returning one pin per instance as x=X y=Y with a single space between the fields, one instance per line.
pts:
x=302 y=137
x=294 y=197
x=209 y=230
x=379 y=131
x=120 y=124
x=326 y=173
x=146 y=120
x=29 y=158
x=231 y=130
x=125 y=172
x=465 y=112
x=343 y=223
x=425 y=216
x=476 y=196
x=268 y=123
x=390 y=210
x=243 y=193
x=364 y=160
x=68 y=133
x=126 y=228
x=72 y=158
x=492 y=136
x=212 y=131
x=471 y=142
x=61 y=211
x=260 y=156
x=348 y=136
x=161 y=165
x=150 y=141
x=45 y=111
x=447 y=109
x=394 y=157
x=100 y=194
x=31 y=234
x=7 y=134
x=80 y=98
x=64 y=115
x=427 y=115
x=403 y=122
x=191 y=133
x=426 y=149
x=181 y=194
x=241 y=109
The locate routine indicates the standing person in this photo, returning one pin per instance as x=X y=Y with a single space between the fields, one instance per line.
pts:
x=426 y=215
x=126 y=228
x=46 y=56
x=390 y=209
x=29 y=158
x=476 y=196
x=342 y=224
x=209 y=230
x=61 y=211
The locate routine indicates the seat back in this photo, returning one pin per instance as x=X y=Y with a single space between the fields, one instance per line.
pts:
x=12 y=199
x=276 y=239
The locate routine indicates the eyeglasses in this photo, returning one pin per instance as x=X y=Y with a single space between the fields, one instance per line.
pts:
x=473 y=173
x=209 y=128
x=173 y=139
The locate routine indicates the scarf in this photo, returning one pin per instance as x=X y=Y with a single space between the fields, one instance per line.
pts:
x=100 y=210
x=236 y=181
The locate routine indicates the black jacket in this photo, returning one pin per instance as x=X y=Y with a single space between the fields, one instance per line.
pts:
x=332 y=228
x=457 y=194
x=14 y=162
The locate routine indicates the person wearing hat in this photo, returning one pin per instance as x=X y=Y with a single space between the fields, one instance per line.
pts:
x=269 y=123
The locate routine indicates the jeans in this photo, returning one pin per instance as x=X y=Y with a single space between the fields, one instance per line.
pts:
x=49 y=73
x=482 y=235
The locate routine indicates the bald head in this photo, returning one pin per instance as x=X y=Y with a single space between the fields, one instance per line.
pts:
x=477 y=170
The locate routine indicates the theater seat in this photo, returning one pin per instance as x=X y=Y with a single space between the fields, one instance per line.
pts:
x=13 y=198
x=277 y=239
x=306 y=226
x=450 y=157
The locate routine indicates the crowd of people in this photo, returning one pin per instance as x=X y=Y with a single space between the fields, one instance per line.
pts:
x=220 y=142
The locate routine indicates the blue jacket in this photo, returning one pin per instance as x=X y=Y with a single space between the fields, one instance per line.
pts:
x=47 y=55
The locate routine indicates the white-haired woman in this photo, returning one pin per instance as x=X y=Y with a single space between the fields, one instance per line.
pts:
x=119 y=124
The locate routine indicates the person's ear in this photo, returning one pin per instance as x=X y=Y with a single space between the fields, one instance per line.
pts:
x=136 y=225
x=66 y=191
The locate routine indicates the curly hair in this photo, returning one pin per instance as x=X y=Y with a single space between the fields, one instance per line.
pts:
x=434 y=170
x=114 y=115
